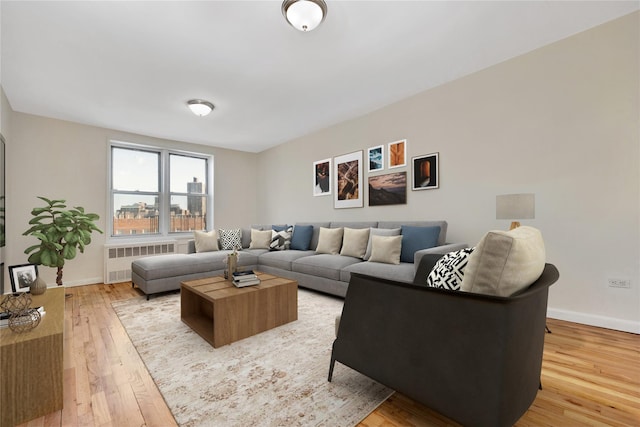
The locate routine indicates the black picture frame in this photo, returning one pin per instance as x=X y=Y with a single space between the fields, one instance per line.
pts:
x=425 y=173
x=22 y=276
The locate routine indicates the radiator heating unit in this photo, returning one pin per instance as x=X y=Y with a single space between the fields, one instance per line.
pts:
x=118 y=258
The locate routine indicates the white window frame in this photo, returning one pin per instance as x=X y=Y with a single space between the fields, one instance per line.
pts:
x=164 y=197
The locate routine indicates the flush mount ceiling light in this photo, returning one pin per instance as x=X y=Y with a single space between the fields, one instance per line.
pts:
x=200 y=107
x=304 y=15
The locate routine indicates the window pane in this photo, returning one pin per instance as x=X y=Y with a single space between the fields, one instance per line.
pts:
x=187 y=174
x=188 y=213
x=135 y=214
x=135 y=170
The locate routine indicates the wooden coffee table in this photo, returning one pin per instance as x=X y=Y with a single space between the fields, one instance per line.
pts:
x=221 y=313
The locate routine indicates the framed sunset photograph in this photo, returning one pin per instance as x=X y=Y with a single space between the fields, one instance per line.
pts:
x=388 y=189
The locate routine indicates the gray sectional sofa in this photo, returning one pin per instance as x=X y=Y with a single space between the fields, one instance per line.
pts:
x=320 y=271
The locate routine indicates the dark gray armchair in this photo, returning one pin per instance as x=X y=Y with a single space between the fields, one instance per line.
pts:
x=473 y=358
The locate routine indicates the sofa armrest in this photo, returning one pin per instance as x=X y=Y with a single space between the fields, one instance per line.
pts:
x=441 y=250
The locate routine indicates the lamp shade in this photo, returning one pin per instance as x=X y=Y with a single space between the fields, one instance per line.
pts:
x=304 y=15
x=200 y=107
x=516 y=206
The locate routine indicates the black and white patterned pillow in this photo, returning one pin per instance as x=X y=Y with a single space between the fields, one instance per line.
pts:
x=448 y=271
x=281 y=240
x=230 y=239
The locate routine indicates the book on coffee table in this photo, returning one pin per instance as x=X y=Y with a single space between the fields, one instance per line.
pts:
x=243 y=283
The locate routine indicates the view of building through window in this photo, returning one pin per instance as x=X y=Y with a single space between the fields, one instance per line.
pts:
x=137 y=200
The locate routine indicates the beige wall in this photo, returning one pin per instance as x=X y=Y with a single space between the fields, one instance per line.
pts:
x=65 y=160
x=560 y=122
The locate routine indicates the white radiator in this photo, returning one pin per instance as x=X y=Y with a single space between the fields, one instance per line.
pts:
x=118 y=257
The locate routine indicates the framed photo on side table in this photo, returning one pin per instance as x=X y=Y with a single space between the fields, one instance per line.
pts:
x=22 y=276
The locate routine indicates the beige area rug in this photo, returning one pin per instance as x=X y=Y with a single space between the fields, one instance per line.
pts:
x=276 y=378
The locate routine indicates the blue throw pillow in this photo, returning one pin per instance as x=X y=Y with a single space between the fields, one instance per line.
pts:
x=301 y=238
x=416 y=238
x=278 y=228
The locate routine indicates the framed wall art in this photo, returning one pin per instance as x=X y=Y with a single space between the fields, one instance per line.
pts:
x=322 y=177
x=425 y=172
x=376 y=158
x=22 y=276
x=348 y=180
x=397 y=153
x=388 y=189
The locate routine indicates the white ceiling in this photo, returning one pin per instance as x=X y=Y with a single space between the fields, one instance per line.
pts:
x=132 y=66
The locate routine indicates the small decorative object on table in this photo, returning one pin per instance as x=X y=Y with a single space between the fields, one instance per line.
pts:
x=232 y=264
x=38 y=286
x=22 y=318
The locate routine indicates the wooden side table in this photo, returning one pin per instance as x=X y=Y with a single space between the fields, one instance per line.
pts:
x=31 y=364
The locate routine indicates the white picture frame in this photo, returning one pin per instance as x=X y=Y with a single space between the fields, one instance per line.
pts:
x=322 y=177
x=348 y=180
x=397 y=153
x=375 y=157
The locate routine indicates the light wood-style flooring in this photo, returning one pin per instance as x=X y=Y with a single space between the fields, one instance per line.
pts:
x=590 y=376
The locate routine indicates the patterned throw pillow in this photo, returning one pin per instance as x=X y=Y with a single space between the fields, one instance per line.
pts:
x=230 y=239
x=449 y=270
x=281 y=240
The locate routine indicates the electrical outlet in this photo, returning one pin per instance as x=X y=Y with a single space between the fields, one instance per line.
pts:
x=620 y=283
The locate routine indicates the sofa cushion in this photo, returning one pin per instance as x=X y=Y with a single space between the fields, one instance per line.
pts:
x=323 y=265
x=402 y=272
x=205 y=241
x=172 y=265
x=449 y=270
x=330 y=240
x=379 y=232
x=282 y=259
x=230 y=238
x=416 y=238
x=505 y=262
x=354 y=242
x=301 y=238
x=386 y=249
x=260 y=239
x=281 y=238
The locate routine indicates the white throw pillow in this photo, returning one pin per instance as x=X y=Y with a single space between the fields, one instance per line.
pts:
x=330 y=240
x=379 y=232
x=354 y=242
x=260 y=239
x=206 y=241
x=505 y=262
x=386 y=249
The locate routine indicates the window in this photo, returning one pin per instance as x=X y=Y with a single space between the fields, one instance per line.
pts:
x=156 y=192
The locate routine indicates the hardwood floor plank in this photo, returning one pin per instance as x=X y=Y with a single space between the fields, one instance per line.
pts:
x=590 y=376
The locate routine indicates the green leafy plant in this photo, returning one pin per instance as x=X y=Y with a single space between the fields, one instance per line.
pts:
x=62 y=232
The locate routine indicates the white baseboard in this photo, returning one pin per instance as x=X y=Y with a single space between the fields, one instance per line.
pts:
x=595 y=320
x=83 y=282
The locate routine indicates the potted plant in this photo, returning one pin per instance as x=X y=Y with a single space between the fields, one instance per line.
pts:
x=62 y=232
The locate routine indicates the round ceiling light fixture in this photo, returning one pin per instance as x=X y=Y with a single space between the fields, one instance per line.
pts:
x=200 y=107
x=304 y=15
